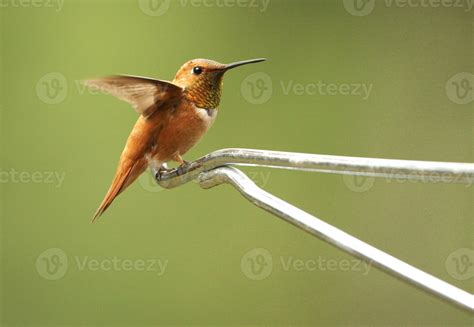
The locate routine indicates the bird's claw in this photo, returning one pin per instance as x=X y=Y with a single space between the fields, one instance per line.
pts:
x=180 y=169
x=158 y=172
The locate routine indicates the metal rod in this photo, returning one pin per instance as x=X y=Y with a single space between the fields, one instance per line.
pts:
x=429 y=171
x=335 y=236
x=211 y=170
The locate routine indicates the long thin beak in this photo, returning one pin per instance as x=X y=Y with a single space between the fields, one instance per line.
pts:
x=243 y=62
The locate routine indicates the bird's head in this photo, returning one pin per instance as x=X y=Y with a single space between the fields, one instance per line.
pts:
x=202 y=80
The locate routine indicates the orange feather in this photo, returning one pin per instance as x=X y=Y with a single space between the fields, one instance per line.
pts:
x=127 y=172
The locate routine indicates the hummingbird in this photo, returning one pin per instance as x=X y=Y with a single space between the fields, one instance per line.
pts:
x=173 y=117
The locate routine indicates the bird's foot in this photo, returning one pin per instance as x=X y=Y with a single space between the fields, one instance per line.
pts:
x=181 y=168
x=158 y=171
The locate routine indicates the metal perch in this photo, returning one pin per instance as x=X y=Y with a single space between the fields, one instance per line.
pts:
x=212 y=170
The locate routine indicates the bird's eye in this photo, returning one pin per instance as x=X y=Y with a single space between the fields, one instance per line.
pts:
x=197 y=70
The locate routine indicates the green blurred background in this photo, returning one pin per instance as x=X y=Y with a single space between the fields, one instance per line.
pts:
x=60 y=144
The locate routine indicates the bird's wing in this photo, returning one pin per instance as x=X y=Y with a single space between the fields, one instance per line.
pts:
x=145 y=94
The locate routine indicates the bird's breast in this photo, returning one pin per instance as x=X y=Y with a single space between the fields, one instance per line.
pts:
x=185 y=127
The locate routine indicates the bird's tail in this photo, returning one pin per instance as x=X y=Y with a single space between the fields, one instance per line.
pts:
x=127 y=172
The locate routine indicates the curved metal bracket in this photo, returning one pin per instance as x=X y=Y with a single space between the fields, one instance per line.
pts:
x=211 y=171
x=444 y=172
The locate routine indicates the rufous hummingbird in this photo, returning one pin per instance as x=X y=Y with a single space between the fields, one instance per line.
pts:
x=174 y=116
